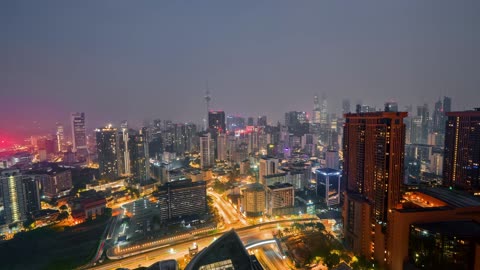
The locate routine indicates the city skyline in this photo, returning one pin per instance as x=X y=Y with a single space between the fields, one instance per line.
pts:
x=144 y=61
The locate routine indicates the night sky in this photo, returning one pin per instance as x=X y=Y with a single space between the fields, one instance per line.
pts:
x=140 y=60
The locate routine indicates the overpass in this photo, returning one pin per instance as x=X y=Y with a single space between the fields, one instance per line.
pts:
x=267 y=242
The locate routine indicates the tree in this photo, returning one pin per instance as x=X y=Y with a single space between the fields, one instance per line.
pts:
x=332 y=260
x=320 y=226
x=63 y=215
x=64 y=207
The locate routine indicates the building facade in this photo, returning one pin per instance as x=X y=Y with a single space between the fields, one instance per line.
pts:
x=462 y=150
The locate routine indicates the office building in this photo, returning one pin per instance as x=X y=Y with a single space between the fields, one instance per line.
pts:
x=441 y=215
x=279 y=195
x=222 y=147
x=346 y=106
x=19 y=195
x=216 y=122
x=79 y=134
x=262 y=121
x=108 y=152
x=139 y=161
x=445 y=245
x=60 y=138
x=316 y=114
x=391 y=106
x=328 y=185
x=55 y=181
x=207 y=154
x=124 y=152
x=373 y=148
x=182 y=198
x=332 y=159
x=253 y=200
x=462 y=150
x=268 y=166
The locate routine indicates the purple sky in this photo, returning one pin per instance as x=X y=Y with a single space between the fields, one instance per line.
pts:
x=140 y=60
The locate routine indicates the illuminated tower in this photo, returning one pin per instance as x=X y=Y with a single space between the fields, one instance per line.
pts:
x=462 y=150
x=207 y=102
x=316 y=115
x=373 y=150
x=107 y=150
x=60 y=138
x=79 y=136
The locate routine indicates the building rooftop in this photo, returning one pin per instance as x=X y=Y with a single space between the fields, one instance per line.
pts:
x=470 y=229
x=274 y=175
x=326 y=171
x=227 y=252
x=255 y=187
x=454 y=198
x=280 y=185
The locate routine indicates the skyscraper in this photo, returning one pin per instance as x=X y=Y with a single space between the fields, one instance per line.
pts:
x=222 y=147
x=216 y=122
x=373 y=147
x=323 y=110
x=60 y=138
x=346 y=106
x=462 y=150
x=79 y=136
x=328 y=185
x=316 y=110
x=137 y=148
x=207 y=154
x=391 y=106
x=123 y=147
x=108 y=152
x=20 y=195
x=268 y=166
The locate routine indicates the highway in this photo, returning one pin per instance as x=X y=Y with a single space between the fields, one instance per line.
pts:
x=178 y=248
x=178 y=251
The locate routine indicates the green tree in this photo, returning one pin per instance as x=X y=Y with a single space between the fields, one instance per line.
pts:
x=64 y=207
x=63 y=215
x=332 y=260
x=320 y=226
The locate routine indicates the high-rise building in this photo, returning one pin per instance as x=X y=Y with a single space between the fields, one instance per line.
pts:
x=124 y=160
x=207 y=154
x=253 y=200
x=279 y=195
x=391 y=106
x=79 y=133
x=462 y=150
x=346 y=106
x=138 y=147
x=333 y=159
x=108 y=152
x=262 y=121
x=268 y=166
x=222 y=147
x=182 y=198
x=323 y=110
x=20 y=195
x=31 y=190
x=328 y=185
x=373 y=149
x=55 y=181
x=250 y=121
x=60 y=138
x=235 y=123
x=447 y=104
x=316 y=115
x=216 y=122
